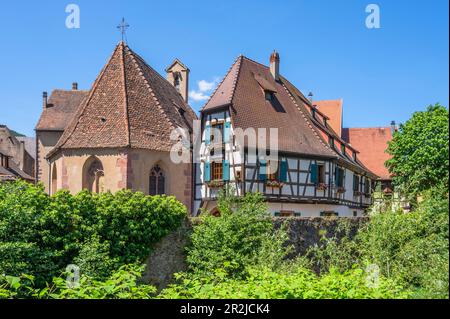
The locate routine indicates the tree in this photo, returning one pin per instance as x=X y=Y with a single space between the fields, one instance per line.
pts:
x=420 y=152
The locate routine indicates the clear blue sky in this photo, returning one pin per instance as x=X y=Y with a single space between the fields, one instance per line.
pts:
x=382 y=74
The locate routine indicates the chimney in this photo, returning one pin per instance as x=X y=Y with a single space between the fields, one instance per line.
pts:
x=74 y=86
x=393 y=127
x=44 y=100
x=275 y=65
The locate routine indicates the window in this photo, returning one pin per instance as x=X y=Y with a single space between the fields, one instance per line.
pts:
x=331 y=140
x=355 y=213
x=318 y=174
x=355 y=183
x=217 y=171
x=272 y=170
x=343 y=148
x=217 y=133
x=54 y=180
x=367 y=186
x=157 y=181
x=321 y=174
x=93 y=175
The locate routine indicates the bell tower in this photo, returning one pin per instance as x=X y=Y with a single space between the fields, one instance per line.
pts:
x=178 y=76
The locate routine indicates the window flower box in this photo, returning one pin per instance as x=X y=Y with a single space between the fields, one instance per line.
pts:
x=274 y=184
x=340 y=190
x=321 y=187
x=215 y=184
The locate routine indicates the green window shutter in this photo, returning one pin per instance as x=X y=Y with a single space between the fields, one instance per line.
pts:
x=314 y=174
x=262 y=170
x=226 y=170
x=283 y=171
x=298 y=214
x=337 y=177
x=208 y=134
x=207 y=172
x=227 y=132
x=277 y=214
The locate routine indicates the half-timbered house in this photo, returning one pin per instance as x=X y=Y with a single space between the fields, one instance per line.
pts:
x=314 y=172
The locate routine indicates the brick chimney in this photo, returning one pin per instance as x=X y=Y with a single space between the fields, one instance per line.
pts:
x=44 y=100
x=275 y=65
x=74 y=86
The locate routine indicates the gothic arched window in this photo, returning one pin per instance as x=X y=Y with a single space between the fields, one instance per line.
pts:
x=93 y=176
x=54 y=180
x=157 y=181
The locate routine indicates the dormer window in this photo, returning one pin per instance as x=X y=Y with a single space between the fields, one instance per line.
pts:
x=331 y=140
x=343 y=148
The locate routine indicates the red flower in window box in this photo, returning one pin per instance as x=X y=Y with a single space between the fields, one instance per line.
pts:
x=321 y=186
x=274 y=184
x=215 y=184
x=340 y=190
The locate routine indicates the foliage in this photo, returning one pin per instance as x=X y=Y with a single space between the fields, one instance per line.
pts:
x=412 y=248
x=420 y=152
x=122 y=284
x=241 y=236
x=41 y=235
x=298 y=283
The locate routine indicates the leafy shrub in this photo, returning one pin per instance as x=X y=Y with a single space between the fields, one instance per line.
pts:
x=298 y=283
x=241 y=236
x=41 y=235
x=122 y=284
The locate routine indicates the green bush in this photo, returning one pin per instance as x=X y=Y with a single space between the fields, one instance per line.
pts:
x=241 y=236
x=121 y=284
x=298 y=283
x=41 y=235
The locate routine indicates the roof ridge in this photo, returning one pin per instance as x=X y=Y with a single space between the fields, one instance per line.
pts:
x=237 y=60
x=72 y=127
x=125 y=93
x=135 y=56
x=254 y=61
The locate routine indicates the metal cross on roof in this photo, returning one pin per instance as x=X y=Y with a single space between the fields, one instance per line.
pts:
x=123 y=26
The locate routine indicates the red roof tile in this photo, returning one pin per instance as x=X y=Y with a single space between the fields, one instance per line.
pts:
x=243 y=90
x=129 y=105
x=62 y=105
x=372 y=144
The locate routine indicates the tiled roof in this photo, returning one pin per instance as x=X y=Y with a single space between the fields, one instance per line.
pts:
x=62 y=105
x=129 y=105
x=372 y=144
x=288 y=111
x=332 y=109
x=29 y=143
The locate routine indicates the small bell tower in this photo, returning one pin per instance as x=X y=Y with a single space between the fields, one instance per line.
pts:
x=178 y=76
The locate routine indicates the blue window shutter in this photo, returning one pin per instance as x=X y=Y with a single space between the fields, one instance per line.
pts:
x=227 y=132
x=208 y=134
x=207 y=172
x=283 y=171
x=314 y=174
x=262 y=170
x=226 y=170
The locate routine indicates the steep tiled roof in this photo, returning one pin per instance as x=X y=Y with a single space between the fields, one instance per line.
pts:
x=372 y=144
x=62 y=105
x=298 y=132
x=332 y=109
x=129 y=105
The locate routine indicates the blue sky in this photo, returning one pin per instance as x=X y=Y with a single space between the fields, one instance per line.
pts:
x=382 y=74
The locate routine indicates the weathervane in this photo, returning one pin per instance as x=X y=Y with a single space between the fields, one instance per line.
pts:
x=123 y=26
